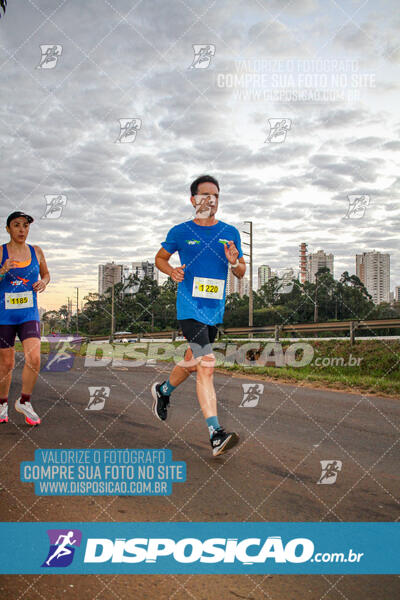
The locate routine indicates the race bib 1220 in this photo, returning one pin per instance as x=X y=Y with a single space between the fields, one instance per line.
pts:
x=204 y=287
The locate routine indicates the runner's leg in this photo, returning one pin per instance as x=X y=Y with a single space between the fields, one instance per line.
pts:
x=205 y=386
x=31 y=346
x=182 y=370
x=32 y=364
x=6 y=368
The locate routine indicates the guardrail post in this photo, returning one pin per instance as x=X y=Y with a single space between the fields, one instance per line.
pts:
x=173 y=336
x=353 y=327
x=277 y=330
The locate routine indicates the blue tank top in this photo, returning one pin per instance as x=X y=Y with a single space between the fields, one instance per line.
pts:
x=16 y=291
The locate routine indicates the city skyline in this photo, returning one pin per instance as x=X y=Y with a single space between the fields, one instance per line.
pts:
x=233 y=285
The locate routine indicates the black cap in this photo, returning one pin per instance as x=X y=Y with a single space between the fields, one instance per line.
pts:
x=17 y=214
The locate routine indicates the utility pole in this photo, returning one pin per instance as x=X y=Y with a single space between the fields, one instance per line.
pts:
x=316 y=299
x=250 y=255
x=112 y=312
x=77 y=311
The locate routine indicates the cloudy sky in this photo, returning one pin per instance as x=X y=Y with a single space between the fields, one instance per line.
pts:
x=326 y=71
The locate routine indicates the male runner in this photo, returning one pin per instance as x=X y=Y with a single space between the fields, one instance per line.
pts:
x=20 y=267
x=207 y=248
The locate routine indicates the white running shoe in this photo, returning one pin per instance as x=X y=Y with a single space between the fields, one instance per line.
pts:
x=26 y=409
x=4 y=413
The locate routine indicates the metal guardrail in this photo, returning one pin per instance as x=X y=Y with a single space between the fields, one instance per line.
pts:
x=275 y=330
x=350 y=326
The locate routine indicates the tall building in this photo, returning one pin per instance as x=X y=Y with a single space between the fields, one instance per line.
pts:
x=316 y=261
x=244 y=287
x=145 y=269
x=126 y=274
x=109 y=274
x=238 y=286
x=373 y=269
x=397 y=293
x=232 y=283
x=264 y=273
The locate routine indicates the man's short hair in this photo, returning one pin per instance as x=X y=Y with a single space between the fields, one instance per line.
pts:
x=202 y=179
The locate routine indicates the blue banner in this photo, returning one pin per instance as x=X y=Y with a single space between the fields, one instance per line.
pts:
x=200 y=548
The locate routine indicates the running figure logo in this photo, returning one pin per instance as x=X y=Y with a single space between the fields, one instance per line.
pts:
x=278 y=129
x=128 y=130
x=62 y=547
x=285 y=281
x=330 y=470
x=98 y=396
x=54 y=206
x=50 y=55
x=62 y=354
x=357 y=206
x=202 y=56
x=251 y=394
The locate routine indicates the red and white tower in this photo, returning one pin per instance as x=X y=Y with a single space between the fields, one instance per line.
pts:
x=303 y=262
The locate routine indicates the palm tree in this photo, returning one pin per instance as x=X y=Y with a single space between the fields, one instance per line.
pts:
x=3 y=4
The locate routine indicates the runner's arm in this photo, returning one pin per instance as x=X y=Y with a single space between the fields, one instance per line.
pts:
x=162 y=258
x=233 y=254
x=240 y=270
x=44 y=271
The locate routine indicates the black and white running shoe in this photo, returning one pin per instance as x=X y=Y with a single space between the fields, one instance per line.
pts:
x=160 y=403
x=222 y=441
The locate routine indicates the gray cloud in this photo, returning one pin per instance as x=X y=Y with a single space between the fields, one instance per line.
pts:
x=58 y=130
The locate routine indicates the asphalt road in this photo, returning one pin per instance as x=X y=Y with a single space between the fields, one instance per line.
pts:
x=270 y=476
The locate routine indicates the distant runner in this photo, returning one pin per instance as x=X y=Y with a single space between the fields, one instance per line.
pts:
x=20 y=267
x=207 y=248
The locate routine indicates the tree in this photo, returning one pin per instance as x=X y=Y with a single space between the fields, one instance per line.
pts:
x=51 y=317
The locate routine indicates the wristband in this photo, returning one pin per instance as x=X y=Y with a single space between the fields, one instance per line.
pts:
x=236 y=264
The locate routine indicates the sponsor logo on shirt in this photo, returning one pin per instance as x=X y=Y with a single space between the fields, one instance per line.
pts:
x=19 y=281
x=192 y=242
x=222 y=241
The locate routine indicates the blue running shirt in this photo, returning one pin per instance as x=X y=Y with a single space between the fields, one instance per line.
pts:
x=201 y=249
x=16 y=290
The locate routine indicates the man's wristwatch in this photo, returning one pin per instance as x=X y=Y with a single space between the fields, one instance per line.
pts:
x=236 y=264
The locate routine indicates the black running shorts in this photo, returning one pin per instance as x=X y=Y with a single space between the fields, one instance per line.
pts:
x=25 y=330
x=199 y=335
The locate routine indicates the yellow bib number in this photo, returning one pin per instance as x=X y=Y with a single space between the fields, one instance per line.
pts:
x=204 y=287
x=19 y=300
